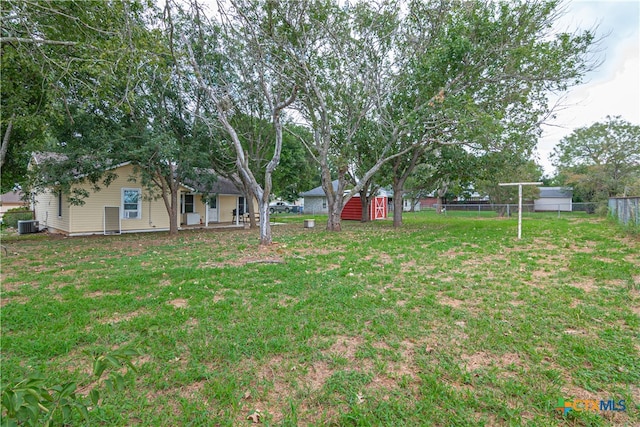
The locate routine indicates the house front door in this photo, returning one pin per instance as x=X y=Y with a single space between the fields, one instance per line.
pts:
x=213 y=209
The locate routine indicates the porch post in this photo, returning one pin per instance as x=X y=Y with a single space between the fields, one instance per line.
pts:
x=237 y=210
x=206 y=214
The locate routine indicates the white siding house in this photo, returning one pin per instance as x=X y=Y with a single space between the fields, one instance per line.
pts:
x=315 y=201
x=554 y=199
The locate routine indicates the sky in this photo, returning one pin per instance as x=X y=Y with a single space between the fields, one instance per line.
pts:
x=612 y=89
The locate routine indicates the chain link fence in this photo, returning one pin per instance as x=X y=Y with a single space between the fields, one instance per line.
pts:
x=485 y=209
x=626 y=210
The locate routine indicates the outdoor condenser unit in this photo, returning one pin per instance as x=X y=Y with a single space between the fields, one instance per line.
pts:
x=26 y=227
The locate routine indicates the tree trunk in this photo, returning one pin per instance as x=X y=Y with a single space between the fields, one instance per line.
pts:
x=364 y=204
x=441 y=192
x=397 y=206
x=5 y=140
x=335 y=198
x=169 y=197
x=173 y=211
x=252 y=213
x=334 y=223
x=398 y=192
x=265 y=226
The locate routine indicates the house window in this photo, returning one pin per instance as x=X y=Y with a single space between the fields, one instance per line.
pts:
x=242 y=205
x=188 y=206
x=324 y=203
x=59 y=203
x=131 y=203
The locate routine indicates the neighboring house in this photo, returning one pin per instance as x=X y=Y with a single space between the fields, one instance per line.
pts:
x=315 y=201
x=429 y=202
x=554 y=199
x=406 y=204
x=12 y=200
x=126 y=206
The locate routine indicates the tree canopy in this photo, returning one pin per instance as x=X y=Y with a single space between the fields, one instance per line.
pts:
x=601 y=160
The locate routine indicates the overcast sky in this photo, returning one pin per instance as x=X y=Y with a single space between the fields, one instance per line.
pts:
x=614 y=87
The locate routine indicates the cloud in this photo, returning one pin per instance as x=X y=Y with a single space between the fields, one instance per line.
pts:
x=611 y=90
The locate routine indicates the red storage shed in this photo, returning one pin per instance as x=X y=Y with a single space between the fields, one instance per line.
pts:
x=353 y=209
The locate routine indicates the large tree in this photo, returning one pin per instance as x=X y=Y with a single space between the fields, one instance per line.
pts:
x=56 y=51
x=473 y=73
x=601 y=160
x=256 y=84
x=485 y=69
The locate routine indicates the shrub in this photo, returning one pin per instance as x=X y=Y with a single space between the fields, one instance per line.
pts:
x=12 y=216
x=36 y=401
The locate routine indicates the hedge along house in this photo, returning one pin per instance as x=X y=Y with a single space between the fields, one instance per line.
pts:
x=126 y=206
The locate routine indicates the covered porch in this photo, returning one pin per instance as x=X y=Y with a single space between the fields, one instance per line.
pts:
x=216 y=206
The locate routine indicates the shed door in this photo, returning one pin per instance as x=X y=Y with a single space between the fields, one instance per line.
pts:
x=380 y=208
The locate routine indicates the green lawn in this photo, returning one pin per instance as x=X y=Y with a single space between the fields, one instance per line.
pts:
x=447 y=321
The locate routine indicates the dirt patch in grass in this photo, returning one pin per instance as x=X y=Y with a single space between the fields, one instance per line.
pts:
x=192 y=390
x=345 y=346
x=100 y=294
x=13 y=300
x=178 y=303
x=587 y=285
x=123 y=317
x=239 y=262
x=542 y=274
x=482 y=360
x=451 y=302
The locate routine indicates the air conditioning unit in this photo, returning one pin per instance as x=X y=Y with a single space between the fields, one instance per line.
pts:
x=131 y=214
x=26 y=227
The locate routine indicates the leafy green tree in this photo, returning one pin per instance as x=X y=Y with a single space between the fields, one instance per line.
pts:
x=256 y=84
x=473 y=73
x=484 y=69
x=501 y=167
x=601 y=160
x=297 y=172
x=54 y=52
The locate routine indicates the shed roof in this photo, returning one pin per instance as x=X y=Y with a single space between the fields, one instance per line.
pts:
x=556 y=192
x=318 y=191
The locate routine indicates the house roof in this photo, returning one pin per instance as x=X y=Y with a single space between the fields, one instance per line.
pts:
x=12 y=197
x=318 y=191
x=40 y=157
x=556 y=192
x=220 y=186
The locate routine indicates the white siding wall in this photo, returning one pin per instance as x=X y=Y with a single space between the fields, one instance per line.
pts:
x=552 y=204
x=88 y=218
x=313 y=205
x=46 y=211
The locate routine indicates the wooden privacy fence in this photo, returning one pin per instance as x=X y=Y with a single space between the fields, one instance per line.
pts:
x=626 y=210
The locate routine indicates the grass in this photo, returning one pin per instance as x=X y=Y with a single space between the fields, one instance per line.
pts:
x=446 y=321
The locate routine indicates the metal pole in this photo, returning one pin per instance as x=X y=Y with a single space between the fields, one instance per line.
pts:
x=519 y=184
x=519 y=211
